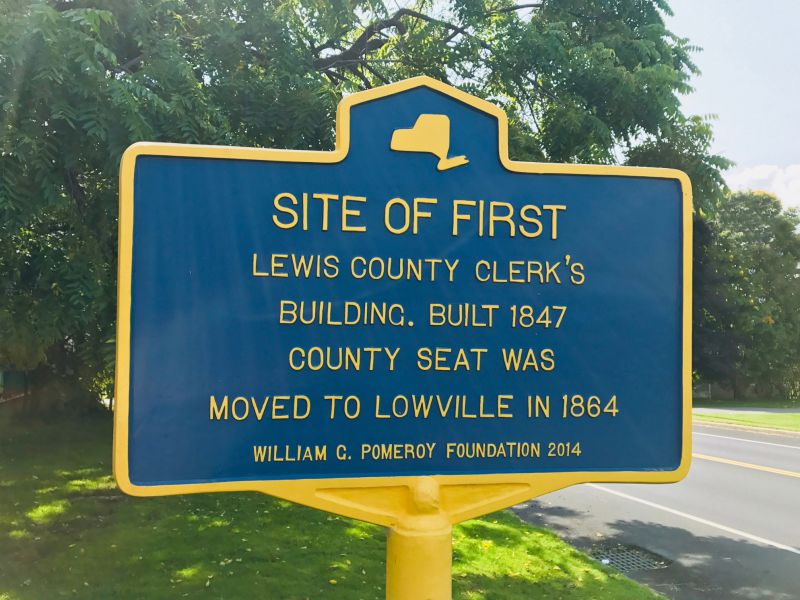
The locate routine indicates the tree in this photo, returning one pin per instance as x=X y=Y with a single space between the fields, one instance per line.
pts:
x=755 y=307
x=82 y=79
x=685 y=144
x=746 y=317
x=715 y=342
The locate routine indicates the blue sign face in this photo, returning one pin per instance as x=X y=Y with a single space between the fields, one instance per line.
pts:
x=412 y=303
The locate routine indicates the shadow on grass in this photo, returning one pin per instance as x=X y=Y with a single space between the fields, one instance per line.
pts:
x=65 y=531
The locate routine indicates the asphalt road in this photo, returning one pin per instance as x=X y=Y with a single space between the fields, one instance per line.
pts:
x=730 y=530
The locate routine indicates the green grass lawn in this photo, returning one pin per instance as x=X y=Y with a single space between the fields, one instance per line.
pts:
x=749 y=403
x=783 y=421
x=66 y=532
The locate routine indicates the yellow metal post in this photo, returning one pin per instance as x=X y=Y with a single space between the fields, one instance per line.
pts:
x=418 y=564
x=419 y=549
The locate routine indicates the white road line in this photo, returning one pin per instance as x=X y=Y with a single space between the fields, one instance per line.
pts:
x=738 y=532
x=728 y=437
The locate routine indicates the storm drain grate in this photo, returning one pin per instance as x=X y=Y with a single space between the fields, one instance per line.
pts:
x=629 y=558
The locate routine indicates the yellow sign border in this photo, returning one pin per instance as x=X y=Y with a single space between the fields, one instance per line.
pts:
x=385 y=500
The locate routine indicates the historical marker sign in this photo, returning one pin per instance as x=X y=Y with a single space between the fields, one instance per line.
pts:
x=411 y=304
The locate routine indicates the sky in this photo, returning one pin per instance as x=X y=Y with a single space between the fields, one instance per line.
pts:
x=750 y=80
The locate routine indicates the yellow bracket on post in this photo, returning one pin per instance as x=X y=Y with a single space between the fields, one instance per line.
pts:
x=420 y=512
x=419 y=548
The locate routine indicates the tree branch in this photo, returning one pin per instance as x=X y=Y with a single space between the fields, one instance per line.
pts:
x=366 y=82
x=130 y=66
x=453 y=28
x=375 y=73
x=366 y=42
x=374 y=36
x=362 y=45
x=333 y=76
x=509 y=9
x=76 y=191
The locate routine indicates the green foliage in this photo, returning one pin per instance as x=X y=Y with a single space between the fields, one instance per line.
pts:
x=80 y=80
x=760 y=243
x=716 y=343
x=746 y=301
x=751 y=296
x=686 y=145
